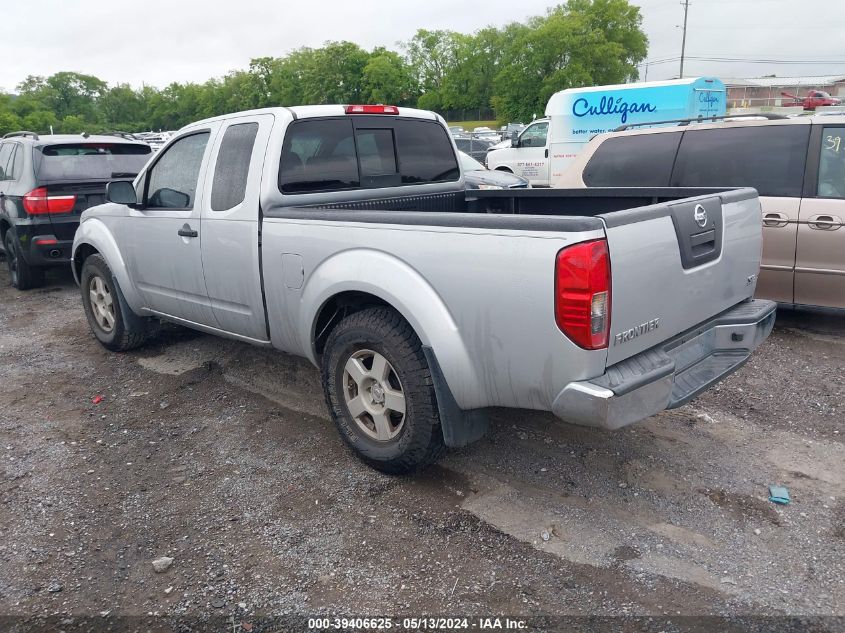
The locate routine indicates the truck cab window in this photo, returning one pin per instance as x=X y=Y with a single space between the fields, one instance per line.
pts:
x=535 y=135
x=318 y=155
x=172 y=181
x=832 y=164
x=232 y=169
x=425 y=152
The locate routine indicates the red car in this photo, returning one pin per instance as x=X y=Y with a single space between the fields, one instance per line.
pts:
x=813 y=100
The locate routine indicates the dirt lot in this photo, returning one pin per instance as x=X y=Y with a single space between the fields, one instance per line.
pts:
x=222 y=457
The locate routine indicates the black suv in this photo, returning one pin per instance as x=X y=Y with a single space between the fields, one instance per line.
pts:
x=46 y=183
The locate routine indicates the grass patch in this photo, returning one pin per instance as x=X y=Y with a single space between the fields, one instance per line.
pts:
x=470 y=125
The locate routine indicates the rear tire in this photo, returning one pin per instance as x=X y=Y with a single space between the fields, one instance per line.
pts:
x=373 y=367
x=21 y=275
x=112 y=322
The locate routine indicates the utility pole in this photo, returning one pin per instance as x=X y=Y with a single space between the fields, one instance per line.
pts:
x=684 y=39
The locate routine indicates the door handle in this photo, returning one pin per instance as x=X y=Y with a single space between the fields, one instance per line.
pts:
x=547 y=152
x=187 y=231
x=775 y=219
x=824 y=222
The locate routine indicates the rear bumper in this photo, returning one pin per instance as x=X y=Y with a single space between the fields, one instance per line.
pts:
x=46 y=250
x=671 y=374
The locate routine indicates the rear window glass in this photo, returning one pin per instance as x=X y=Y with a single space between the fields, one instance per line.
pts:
x=318 y=155
x=377 y=156
x=232 y=169
x=89 y=161
x=425 y=152
x=641 y=160
x=770 y=158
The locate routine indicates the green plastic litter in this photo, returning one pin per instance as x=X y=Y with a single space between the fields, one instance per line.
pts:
x=779 y=495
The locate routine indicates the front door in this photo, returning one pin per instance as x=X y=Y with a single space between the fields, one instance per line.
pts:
x=162 y=238
x=820 y=255
x=533 y=154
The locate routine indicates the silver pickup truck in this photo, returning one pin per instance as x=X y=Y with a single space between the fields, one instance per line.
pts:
x=344 y=234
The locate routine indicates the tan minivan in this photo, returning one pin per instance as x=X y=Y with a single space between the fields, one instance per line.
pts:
x=797 y=166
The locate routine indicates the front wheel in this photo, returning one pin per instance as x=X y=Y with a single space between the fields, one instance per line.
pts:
x=380 y=392
x=111 y=321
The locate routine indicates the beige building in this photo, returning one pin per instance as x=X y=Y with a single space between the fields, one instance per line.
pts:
x=766 y=91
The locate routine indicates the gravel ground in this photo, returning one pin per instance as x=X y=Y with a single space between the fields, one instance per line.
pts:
x=221 y=456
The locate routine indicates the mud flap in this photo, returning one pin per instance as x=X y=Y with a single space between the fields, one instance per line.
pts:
x=460 y=427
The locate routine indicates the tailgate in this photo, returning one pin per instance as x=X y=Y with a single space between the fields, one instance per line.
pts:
x=677 y=264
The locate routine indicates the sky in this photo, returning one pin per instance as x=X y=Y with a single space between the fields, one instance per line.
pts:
x=157 y=42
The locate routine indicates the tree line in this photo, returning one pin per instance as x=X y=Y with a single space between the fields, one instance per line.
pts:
x=512 y=69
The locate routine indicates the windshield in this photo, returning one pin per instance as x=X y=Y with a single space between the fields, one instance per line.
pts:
x=90 y=161
x=468 y=163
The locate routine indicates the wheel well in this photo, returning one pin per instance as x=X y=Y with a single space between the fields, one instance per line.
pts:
x=507 y=169
x=83 y=252
x=338 y=307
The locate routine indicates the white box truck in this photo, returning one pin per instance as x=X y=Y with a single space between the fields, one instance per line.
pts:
x=547 y=146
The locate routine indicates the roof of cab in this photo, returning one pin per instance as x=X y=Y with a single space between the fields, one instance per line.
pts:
x=311 y=111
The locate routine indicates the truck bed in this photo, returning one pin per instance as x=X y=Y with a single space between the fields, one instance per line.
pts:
x=479 y=278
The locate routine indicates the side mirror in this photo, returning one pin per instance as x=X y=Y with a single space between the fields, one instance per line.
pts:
x=515 y=138
x=121 y=192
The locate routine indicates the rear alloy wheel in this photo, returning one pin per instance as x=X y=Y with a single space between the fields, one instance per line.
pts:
x=380 y=392
x=21 y=275
x=373 y=395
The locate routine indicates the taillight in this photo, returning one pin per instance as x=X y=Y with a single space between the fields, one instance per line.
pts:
x=582 y=293
x=37 y=202
x=371 y=109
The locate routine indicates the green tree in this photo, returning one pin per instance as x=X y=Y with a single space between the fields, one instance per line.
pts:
x=73 y=124
x=387 y=79
x=580 y=43
x=333 y=74
x=122 y=107
x=65 y=93
x=40 y=121
x=9 y=122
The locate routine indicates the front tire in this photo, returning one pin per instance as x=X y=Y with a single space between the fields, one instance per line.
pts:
x=112 y=323
x=380 y=393
x=21 y=275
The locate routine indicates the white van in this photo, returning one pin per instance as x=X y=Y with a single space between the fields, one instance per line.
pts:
x=543 y=151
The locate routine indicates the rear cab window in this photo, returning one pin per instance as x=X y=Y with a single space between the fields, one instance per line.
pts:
x=89 y=161
x=346 y=153
x=770 y=158
x=228 y=188
x=637 y=160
